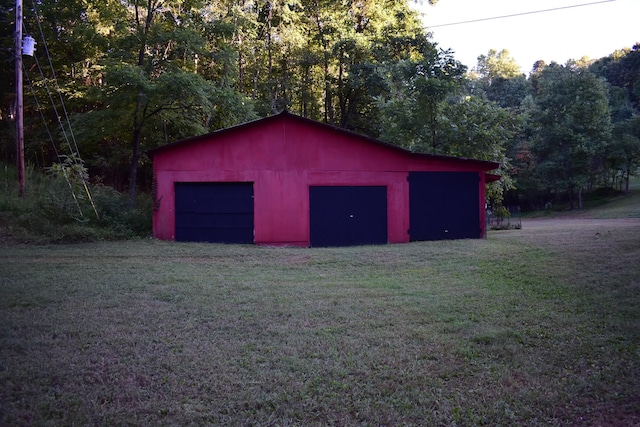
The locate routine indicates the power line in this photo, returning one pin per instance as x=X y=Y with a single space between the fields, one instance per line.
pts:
x=518 y=14
x=75 y=154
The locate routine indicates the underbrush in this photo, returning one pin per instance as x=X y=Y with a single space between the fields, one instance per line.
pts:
x=603 y=203
x=54 y=209
x=596 y=198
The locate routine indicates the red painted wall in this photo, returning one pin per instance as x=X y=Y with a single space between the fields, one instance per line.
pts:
x=285 y=154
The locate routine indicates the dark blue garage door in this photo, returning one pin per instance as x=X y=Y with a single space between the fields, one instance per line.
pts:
x=348 y=216
x=444 y=205
x=219 y=212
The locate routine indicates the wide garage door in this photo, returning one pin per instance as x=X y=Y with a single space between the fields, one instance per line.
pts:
x=444 y=205
x=219 y=212
x=348 y=216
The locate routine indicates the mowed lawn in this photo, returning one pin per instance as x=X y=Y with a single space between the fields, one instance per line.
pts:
x=531 y=327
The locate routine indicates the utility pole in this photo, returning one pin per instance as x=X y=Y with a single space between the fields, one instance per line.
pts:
x=19 y=102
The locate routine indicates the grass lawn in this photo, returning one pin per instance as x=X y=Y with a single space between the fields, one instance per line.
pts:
x=531 y=327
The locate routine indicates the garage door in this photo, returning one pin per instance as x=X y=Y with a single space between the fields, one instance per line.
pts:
x=219 y=212
x=444 y=205
x=347 y=216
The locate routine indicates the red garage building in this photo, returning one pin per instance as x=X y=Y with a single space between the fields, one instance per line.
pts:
x=288 y=180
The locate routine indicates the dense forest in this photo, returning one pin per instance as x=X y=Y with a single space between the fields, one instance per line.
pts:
x=113 y=78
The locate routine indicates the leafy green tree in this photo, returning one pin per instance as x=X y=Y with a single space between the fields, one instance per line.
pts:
x=413 y=108
x=622 y=69
x=431 y=113
x=572 y=124
x=321 y=58
x=509 y=92
x=476 y=128
x=496 y=64
x=535 y=73
x=145 y=112
x=497 y=75
x=625 y=148
x=383 y=33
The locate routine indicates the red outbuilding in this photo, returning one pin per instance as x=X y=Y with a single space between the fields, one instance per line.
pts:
x=288 y=180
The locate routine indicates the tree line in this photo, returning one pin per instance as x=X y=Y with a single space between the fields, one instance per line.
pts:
x=136 y=74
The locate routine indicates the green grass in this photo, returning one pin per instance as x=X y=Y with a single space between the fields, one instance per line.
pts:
x=619 y=206
x=531 y=327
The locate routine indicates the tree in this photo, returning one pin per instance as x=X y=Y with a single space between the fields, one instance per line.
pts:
x=475 y=128
x=428 y=111
x=497 y=76
x=508 y=92
x=622 y=69
x=625 y=148
x=497 y=65
x=417 y=90
x=572 y=124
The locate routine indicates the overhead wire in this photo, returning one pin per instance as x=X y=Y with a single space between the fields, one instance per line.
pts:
x=55 y=79
x=74 y=150
x=53 y=144
x=519 y=14
x=53 y=105
x=39 y=108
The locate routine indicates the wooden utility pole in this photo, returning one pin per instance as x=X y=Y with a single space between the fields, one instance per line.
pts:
x=19 y=102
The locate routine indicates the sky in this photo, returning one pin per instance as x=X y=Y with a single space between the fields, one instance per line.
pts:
x=594 y=30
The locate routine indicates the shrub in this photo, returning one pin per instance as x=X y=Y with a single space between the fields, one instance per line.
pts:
x=117 y=215
x=58 y=208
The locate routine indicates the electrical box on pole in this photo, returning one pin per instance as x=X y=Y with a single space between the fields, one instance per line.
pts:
x=28 y=45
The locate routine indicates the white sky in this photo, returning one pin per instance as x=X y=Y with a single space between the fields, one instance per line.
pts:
x=595 y=30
